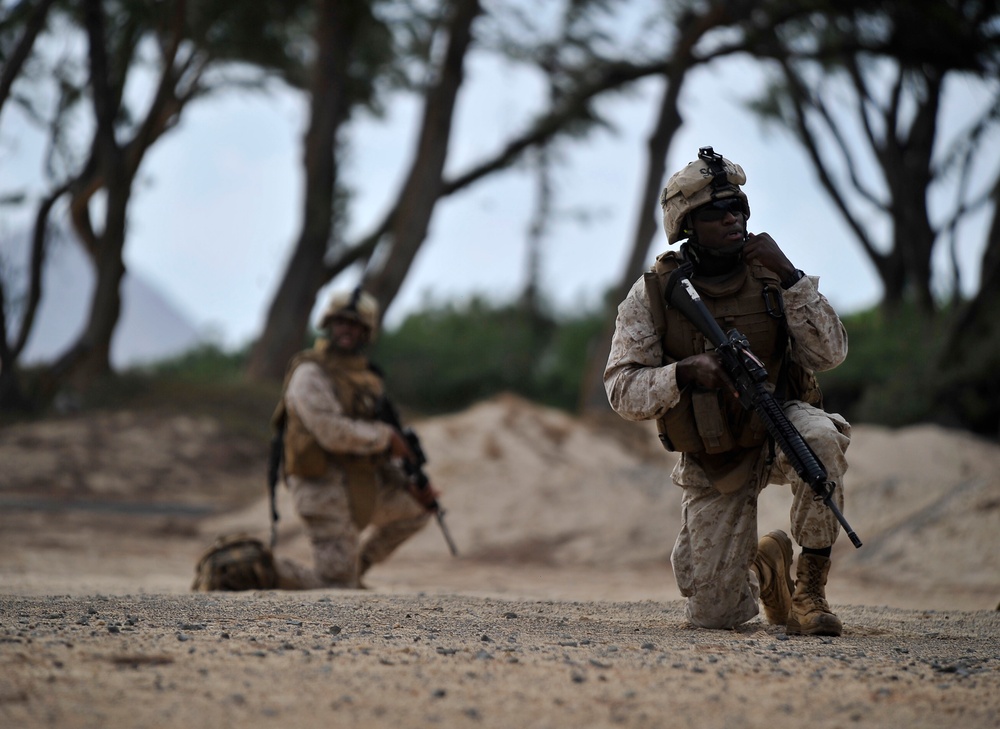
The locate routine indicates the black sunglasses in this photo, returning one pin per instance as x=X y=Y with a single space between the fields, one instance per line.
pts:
x=717 y=209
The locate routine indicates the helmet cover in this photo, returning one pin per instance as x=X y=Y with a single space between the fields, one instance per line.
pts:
x=708 y=178
x=357 y=305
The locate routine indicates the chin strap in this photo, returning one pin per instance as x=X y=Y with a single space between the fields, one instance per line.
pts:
x=713 y=261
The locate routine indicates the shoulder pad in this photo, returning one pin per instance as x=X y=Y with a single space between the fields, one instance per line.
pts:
x=667 y=261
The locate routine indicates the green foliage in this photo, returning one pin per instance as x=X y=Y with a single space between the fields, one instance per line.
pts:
x=204 y=381
x=890 y=375
x=206 y=363
x=440 y=359
x=901 y=370
x=448 y=356
x=271 y=34
x=968 y=393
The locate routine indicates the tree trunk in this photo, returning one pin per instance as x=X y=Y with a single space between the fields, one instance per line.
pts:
x=287 y=321
x=908 y=169
x=593 y=397
x=892 y=274
x=16 y=57
x=111 y=168
x=691 y=27
x=90 y=356
x=967 y=389
x=969 y=335
x=424 y=184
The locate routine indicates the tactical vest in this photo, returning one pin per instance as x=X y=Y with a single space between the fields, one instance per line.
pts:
x=358 y=389
x=711 y=422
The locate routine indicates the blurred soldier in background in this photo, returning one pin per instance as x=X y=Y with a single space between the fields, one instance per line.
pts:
x=341 y=461
x=342 y=465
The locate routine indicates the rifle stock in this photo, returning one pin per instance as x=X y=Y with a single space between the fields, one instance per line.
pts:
x=749 y=375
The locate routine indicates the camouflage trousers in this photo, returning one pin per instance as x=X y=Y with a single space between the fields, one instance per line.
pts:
x=717 y=542
x=341 y=551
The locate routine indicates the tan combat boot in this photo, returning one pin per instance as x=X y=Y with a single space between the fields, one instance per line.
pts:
x=772 y=564
x=811 y=614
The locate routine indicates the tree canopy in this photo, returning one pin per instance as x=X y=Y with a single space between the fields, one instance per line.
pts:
x=859 y=86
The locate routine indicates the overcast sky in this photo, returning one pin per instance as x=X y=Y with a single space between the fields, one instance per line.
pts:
x=218 y=208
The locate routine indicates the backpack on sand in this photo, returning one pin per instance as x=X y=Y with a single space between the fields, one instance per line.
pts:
x=235 y=562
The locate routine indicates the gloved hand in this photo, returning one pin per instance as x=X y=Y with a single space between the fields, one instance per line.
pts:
x=427 y=495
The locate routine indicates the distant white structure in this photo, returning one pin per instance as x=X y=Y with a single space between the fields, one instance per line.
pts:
x=150 y=328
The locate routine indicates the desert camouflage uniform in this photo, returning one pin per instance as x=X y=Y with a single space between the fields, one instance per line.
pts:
x=344 y=543
x=717 y=543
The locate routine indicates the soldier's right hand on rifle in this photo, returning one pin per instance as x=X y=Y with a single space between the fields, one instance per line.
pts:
x=426 y=495
x=706 y=371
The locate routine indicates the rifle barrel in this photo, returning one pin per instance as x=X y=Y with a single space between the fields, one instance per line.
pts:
x=439 y=513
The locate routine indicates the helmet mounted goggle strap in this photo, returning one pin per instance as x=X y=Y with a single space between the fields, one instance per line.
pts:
x=352 y=305
x=720 y=179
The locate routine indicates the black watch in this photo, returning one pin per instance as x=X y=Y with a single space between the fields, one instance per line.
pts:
x=796 y=276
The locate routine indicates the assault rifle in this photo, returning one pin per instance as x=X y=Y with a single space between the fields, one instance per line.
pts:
x=749 y=375
x=414 y=468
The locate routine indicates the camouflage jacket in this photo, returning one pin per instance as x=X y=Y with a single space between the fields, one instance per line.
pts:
x=640 y=387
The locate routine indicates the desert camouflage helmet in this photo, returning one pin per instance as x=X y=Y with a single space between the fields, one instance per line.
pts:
x=710 y=177
x=357 y=305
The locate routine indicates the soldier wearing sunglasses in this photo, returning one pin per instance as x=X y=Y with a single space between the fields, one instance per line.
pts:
x=662 y=368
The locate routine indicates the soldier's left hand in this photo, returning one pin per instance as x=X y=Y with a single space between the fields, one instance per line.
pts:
x=426 y=496
x=761 y=248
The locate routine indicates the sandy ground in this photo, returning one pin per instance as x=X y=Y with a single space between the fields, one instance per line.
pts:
x=560 y=611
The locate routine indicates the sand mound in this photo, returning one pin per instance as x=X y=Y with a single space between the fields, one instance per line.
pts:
x=523 y=484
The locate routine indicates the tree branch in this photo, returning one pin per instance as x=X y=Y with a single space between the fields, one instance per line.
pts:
x=15 y=61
